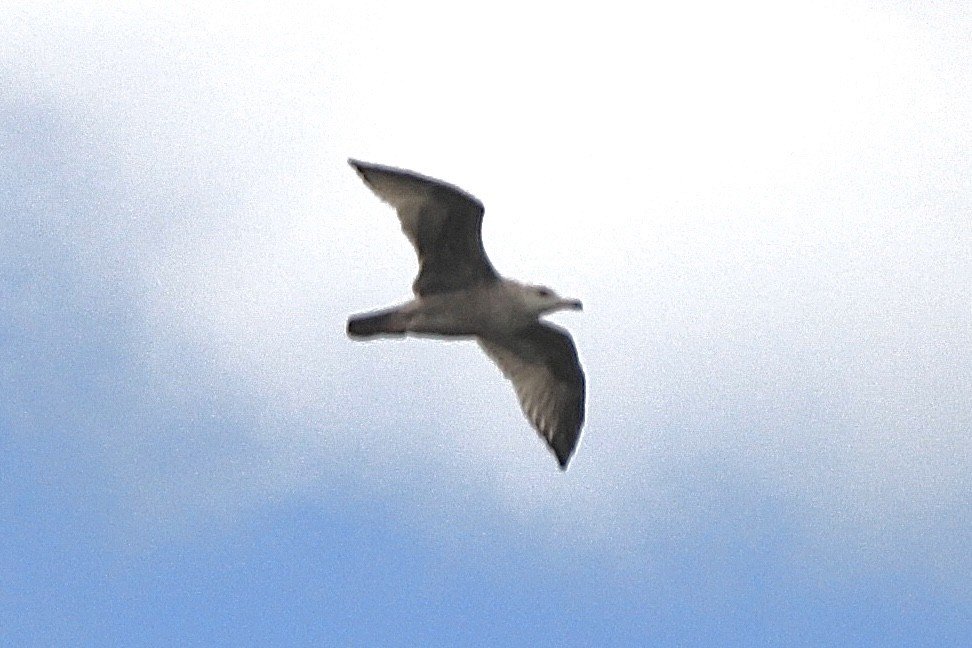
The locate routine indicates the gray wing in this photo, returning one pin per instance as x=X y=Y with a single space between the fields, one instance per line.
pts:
x=443 y=223
x=541 y=362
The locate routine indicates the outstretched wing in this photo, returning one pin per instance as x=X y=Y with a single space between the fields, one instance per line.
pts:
x=443 y=223
x=541 y=362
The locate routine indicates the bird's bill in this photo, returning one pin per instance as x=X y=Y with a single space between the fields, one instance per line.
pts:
x=572 y=304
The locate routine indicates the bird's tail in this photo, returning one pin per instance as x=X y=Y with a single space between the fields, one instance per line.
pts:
x=388 y=322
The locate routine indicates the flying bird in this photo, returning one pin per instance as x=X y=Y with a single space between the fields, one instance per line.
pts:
x=459 y=294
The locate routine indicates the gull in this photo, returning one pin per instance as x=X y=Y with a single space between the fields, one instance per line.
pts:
x=458 y=294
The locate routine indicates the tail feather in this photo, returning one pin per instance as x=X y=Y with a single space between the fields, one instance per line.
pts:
x=390 y=322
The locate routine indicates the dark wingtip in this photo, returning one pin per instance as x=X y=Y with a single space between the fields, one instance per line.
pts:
x=563 y=456
x=363 y=169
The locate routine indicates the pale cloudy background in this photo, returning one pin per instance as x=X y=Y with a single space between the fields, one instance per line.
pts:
x=765 y=208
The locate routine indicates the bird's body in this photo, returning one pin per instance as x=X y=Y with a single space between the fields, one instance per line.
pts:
x=459 y=294
x=489 y=311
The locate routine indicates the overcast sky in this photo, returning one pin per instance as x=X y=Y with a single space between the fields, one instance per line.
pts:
x=764 y=206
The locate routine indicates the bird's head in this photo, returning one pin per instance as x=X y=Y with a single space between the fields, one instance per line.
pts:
x=542 y=300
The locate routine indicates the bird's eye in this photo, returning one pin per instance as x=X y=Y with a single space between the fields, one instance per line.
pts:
x=543 y=292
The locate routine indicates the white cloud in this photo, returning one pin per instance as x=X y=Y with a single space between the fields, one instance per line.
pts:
x=763 y=213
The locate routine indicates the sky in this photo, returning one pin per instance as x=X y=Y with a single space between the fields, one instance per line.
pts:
x=765 y=208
